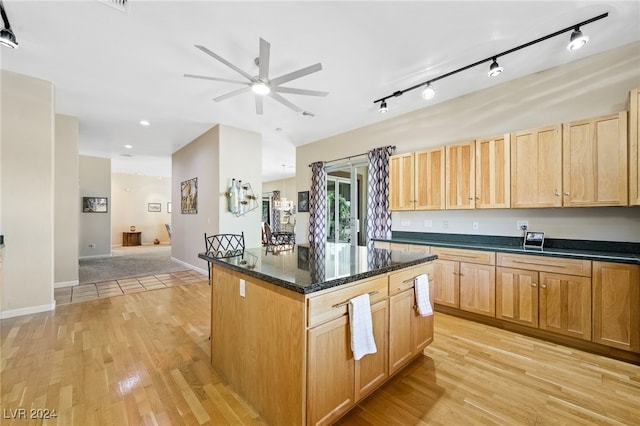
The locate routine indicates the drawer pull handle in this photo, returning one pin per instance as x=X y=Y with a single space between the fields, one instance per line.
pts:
x=558 y=265
x=411 y=280
x=372 y=293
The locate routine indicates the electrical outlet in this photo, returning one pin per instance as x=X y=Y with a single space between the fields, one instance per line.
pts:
x=428 y=223
x=92 y=246
x=522 y=225
x=242 y=288
x=475 y=225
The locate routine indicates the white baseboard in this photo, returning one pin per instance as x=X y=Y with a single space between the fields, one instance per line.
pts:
x=66 y=284
x=28 y=310
x=190 y=266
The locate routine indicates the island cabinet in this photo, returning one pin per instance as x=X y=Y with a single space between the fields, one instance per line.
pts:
x=595 y=170
x=465 y=279
x=616 y=305
x=550 y=293
x=493 y=173
x=634 y=147
x=460 y=187
x=536 y=167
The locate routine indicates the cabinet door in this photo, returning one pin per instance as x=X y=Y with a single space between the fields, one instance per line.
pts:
x=373 y=369
x=595 y=162
x=400 y=332
x=616 y=305
x=478 y=289
x=330 y=377
x=401 y=182
x=460 y=184
x=429 y=179
x=446 y=275
x=634 y=147
x=565 y=304
x=536 y=168
x=493 y=173
x=517 y=296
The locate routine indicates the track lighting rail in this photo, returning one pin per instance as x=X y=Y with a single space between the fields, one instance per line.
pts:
x=491 y=58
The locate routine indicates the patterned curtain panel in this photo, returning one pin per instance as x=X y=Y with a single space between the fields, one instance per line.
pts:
x=378 y=214
x=275 y=213
x=318 y=207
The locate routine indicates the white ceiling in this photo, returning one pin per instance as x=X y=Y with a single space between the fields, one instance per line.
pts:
x=112 y=69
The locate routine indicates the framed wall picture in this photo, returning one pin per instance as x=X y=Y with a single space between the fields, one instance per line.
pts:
x=95 y=204
x=303 y=202
x=189 y=196
x=154 y=207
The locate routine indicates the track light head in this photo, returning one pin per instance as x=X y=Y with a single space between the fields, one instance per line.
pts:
x=429 y=92
x=7 y=38
x=383 y=107
x=577 y=40
x=495 y=69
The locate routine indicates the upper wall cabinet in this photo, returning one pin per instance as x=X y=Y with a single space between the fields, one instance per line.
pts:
x=634 y=147
x=460 y=176
x=595 y=162
x=401 y=182
x=493 y=173
x=429 y=179
x=536 y=168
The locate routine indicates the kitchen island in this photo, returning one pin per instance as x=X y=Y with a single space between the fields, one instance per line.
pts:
x=280 y=332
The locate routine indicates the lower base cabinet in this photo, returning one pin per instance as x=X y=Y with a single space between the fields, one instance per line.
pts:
x=478 y=288
x=565 y=305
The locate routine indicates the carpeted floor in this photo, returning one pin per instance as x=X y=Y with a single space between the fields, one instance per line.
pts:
x=129 y=262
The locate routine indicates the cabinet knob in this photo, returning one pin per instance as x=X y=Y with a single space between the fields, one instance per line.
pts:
x=566 y=193
x=477 y=198
x=557 y=193
x=470 y=198
x=543 y=286
x=533 y=284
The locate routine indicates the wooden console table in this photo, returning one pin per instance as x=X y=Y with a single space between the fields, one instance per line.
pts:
x=131 y=238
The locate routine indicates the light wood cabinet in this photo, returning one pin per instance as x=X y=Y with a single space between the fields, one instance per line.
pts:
x=616 y=305
x=430 y=179
x=401 y=181
x=373 y=369
x=536 y=168
x=460 y=185
x=517 y=296
x=493 y=173
x=409 y=332
x=595 y=170
x=634 y=147
x=465 y=279
x=565 y=304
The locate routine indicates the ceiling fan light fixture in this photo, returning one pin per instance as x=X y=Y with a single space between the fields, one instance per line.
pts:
x=429 y=92
x=495 y=69
x=383 y=107
x=260 y=88
x=577 y=40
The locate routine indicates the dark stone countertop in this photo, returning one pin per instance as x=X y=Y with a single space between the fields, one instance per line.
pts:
x=605 y=251
x=305 y=270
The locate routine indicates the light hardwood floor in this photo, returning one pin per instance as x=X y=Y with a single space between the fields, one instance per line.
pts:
x=143 y=358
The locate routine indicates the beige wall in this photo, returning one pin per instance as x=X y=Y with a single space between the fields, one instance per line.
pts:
x=95 y=228
x=215 y=157
x=589 y=87
x=27 y=185
x=67 y=212
x=131 y=195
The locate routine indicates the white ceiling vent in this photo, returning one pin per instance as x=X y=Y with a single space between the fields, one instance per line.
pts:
x=121 y=5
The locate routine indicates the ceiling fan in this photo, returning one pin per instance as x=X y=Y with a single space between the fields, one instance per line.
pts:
x=261 y=84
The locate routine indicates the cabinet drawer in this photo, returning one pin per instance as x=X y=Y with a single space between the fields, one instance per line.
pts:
x=546 y=264
x=462 y=255
x=403 y=280
x=332 y=304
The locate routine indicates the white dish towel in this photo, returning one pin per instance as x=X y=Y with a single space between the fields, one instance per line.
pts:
x=421 y=287
x=362 y=341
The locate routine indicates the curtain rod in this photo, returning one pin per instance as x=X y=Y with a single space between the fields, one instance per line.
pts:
x=393 y=148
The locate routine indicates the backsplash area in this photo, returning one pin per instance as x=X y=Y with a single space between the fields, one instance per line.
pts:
x=589 y=223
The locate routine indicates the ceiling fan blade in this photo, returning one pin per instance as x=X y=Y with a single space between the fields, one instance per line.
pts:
x=285 y=102
x=204 y=77
x=298 y=91
x=230 y=94
x=259 y=103
x=296 y=74
x=227 y=63
x=263 y=61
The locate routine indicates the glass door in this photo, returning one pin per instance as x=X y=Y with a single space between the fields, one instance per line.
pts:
x=346 y=203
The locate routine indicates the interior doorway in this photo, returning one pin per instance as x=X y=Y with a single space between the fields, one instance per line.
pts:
x=347 y=203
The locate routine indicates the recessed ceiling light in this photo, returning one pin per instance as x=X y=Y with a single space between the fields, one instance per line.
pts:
x=128 y=146
x=145 y=123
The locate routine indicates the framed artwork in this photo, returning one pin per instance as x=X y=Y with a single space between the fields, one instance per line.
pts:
x=154 y=207
x=95 y=204
x=169 y=207
x=303 y=202
x=189 y=196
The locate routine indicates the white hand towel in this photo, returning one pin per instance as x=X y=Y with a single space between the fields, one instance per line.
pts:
x=362 y=341
x=423 y=302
